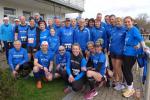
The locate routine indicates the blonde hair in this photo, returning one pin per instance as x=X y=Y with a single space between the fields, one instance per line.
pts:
x=17 y=41
x=119 y=18
x=76 y=44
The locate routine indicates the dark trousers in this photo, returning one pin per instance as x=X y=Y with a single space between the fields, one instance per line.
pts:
x=7 y=46
x=128 y=63
x=78 y=84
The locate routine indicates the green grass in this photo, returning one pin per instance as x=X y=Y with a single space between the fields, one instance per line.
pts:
x=50 y=91
x=148 y=44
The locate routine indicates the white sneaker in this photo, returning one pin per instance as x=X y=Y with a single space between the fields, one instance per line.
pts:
x=119 y=87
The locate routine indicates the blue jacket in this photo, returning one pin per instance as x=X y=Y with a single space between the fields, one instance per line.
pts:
x=117 y=40
x=63 y=60
x=82 y=37
x=133 y=37
x=99 y=58
x=44 y=35
x=80 y=73
x=97 y=33
x=109 y=30
x=57 y=29
x=22 y=33
x=66 y=36
x=54 y=43
x=31 y=33
x=44 y=59
x=17 y=57
x=7 y=32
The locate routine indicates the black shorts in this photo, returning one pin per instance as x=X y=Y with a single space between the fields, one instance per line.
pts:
x=31 y=49
x=116 y=56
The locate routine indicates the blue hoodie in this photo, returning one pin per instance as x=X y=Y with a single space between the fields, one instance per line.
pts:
x=63 y=60
x=66 y=37
x=81 y=73
x=44 y=35
x=82 y=37
x=133 y=37
x=17 y=57
x=7 y=32
x=44 y=59
x=97 y=33
x=57 y=29
x=53 y=43
x=32 y=36
x=117 y=40
x=109 y=30
x=22 y=33
x=99 y=58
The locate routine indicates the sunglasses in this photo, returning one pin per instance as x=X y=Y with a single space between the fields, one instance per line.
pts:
x=62 y=50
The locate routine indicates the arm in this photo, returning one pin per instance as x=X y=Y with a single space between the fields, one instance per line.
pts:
x=51 y=66
x=10 y=59
x=83 y=69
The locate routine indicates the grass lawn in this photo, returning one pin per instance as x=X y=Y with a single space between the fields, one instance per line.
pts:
x=148 y=44
x=50 y=91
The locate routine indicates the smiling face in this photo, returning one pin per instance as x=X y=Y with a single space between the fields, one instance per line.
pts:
x=62 y=50
x=42 y=26
x=52 y=32
x=75 y=50
x=17 y=45
x=44 y=47
x=128 y=22
x=32 y=22
x=118 y=22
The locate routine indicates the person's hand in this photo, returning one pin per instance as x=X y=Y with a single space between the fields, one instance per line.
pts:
x=17 y=67
x=15 y=73
x=71 y=79
x=34 y=50
x=137 y=46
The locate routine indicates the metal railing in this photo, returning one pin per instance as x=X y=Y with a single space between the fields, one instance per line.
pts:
x=147 y=84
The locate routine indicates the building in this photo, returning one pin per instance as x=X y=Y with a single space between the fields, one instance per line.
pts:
x=46 y=8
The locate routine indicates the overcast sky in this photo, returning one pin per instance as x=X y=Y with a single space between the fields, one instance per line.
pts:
x=118 y=7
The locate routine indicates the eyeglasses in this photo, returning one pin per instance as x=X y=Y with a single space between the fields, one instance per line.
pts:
x=62 y=50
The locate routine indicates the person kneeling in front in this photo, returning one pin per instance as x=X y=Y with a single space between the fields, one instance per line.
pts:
x=43 y=64
x=18 y=60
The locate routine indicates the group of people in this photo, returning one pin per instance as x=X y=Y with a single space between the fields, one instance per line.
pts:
x=75 y=50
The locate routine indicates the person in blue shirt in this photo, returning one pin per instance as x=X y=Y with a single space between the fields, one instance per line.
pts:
x=99 y=32
x=132 y=40
x=7 y=35
x=21 y=32
x=99 y=18
x=117 y=41
x=33 y=38
x=76 y=69
x=50 y=24
x=44 y=33
x=91 y=24
x=53 y=41
x=62 y=62
x=66 y=35
x=43 y=64
x=82 y=35
x=73 y=23
x=57 y=26
x=18 y=59
x=95 y=73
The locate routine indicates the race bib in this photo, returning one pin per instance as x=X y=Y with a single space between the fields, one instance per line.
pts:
x=30 y=40
x=23 y=38
x=75 y=71
x=68 y=46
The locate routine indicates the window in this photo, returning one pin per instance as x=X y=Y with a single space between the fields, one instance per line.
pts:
x=27 y=15
x=9 y=11
x=42 y=16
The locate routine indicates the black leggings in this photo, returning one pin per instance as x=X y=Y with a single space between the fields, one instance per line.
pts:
x=128 y=63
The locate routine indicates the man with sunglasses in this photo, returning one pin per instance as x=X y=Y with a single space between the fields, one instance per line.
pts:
x=62 y=61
